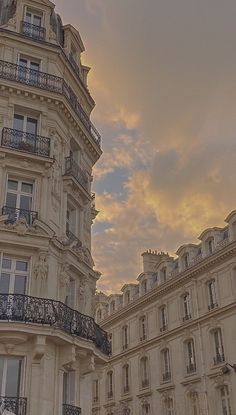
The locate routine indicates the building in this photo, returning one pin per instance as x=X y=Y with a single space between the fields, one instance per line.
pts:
x=49 y=342
x=173 y=333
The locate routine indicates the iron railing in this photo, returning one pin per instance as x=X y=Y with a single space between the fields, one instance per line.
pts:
x=219 y=358
x=13 y=405
x=51 y=83
x=23 y=308
x=14 y=214
x=73 y=169
x=34 y=31
x=71 y=410
x=191 y=368
x=26 y=142
x=166 y=377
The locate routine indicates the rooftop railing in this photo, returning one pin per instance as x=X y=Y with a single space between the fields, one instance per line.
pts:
x=51 y=83
x=26 y=142
x=44 y=311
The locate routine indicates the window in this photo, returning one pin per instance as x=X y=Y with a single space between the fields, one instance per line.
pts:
x=225 y=400
x=144 y=372
x=10 y=377
x=33 y=18
x=145 y=408
x=110 y=340
x=126 y=378
x=169 y=406
x=25 y=123
x=14 y=274
x=70 y=297
x=210 y=246
x=144 y=287
x=194 y=403
x=166 y=375
x=212 y=296
x=70 y=221
x=125 y=337
x=99 y=315
x=112 y=306
x=186 y=261
x=218 y=347
x=127 y=297
x=32 y=24
x=142 y=328
x=69 y=387
x=163 y=274
x=110 y=384
x=19 y=200
x=28 y=70
x=190 y=356
x=95 y=390
x=186 y=307
x=163 y=318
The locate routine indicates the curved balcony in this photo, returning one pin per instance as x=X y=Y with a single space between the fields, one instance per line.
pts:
x=25 y=142
x=44 y=311
x=71 y=410
x=12 y=405
x=73 y=169
x=50 y=83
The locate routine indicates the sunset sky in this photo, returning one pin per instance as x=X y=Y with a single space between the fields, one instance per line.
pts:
x=164 y=80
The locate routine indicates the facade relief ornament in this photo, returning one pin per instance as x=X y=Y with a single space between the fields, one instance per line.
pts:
x=40 y=271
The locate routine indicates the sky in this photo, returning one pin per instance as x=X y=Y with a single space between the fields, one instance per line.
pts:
x=164 y=80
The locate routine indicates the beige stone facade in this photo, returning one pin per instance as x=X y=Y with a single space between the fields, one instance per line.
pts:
x=49 y=342
x=174 y=333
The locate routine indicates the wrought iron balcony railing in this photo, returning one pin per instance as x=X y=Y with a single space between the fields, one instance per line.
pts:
x=219 y=358
x=73 y=169
x=26 y=142
x=12 y=405
x=191 y=368
x=23 y=308
x=71 y=410
x=34 y=31
x=166 y=377
x=14 y=214
x=51 y=83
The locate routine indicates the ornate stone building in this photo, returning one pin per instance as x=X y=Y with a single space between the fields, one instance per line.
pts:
x=49 y=342
x=173 y=333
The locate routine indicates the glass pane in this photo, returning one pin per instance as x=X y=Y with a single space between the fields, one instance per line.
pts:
x=13 y=377
x=72 y=387
x=34 y=66
x=6 y=263
x=20 y=284
x=25 y=202
x=28 y=17
x=23 y=62
x=1 y=373
x=27 y=188
x=18 y=123
x=4 y=283
x=11 y=200
x=12 y=185
x=31 y=126
x=37 y=20
x=65 y=387
x=21 y=265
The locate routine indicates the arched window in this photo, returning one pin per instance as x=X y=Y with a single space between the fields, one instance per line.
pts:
x=212 y=295
x=110 y=384
x=186 y=307
x=144 y=372
x=143 y=328
x=225 y=400
x=190 y=356
x=163 y=318
x=166 y=368
x=125 y=337
x=126 y=378
x=219 y=355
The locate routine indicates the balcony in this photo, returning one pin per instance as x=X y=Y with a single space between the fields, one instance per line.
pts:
x=11 y=405
x=166 y=377
x=25 y=142
x=50 y=83
x=71 y=410
x=145 y=383
x=44 y=311
x=33 y=31
x=191 y=368
x=219 y=358
x=73 y=169
x=15 y=214
x=212 y=306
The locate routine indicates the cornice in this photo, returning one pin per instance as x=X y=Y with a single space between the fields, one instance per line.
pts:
x=173 y=283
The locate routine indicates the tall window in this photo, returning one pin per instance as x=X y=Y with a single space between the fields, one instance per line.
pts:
x=19 y=199
x=71 y=221
x=163 y=318
x=166 y=374
x=186 y=307
x=145 y=408
x=99 y=315
x=127 y=297
x=163 y=274
x=194 y=403
x=110 y=340
x=144 y=372
x=125 y=337
x=186 y=261
x=225 y=400
x=190 y=356
x=112 y=306
x=212 y=295
x=218 y=346
x=126 y=378
x=69 y=387
x=25 y=123
x=110 y=384
x=14 y=274
x=169 y=406
x=210 y=246
x=10 y=376
x=142 y=328
x=33 y=18
x=95 y=390
x=71 y=291
x=28 y=70
x=144 y=287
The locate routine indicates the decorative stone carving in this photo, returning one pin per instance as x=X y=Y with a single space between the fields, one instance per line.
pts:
x=41 y=271
x=56 y=171
x=64 y=275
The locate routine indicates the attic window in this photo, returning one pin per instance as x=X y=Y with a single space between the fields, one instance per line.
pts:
x=32 y=24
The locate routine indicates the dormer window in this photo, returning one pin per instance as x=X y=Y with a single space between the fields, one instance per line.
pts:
x=32 y=24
